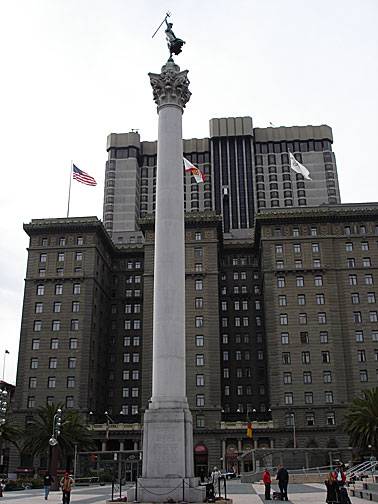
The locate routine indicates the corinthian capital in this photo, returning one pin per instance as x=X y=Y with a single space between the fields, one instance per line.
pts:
x=170 y=86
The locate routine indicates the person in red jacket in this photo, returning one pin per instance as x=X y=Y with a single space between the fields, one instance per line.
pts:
x=267 y=482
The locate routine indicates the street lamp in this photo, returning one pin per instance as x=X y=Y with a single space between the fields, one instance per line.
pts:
x=3 y=411
x=57 y=423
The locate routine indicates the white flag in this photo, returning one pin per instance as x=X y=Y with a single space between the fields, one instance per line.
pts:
x=196 y=172
x=298 y=167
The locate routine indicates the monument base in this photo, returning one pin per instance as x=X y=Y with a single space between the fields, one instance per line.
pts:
x=167 y=490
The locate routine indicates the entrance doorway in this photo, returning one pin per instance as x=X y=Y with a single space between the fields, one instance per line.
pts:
x=201 y=461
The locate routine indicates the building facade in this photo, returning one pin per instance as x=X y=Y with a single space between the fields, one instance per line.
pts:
x=281 y=328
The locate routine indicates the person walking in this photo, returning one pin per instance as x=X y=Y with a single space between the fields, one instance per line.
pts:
x=66 y=484
x=215 y=475
x=283 y=481
x=340 y=479
x=47 y=480
x=267 y=480
x=331 y=486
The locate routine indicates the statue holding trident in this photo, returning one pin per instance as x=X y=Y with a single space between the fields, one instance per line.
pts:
x=174 y=44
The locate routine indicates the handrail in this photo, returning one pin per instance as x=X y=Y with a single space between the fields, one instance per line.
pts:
x=368 y=465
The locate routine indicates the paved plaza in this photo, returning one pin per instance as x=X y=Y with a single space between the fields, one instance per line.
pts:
x=241 y=493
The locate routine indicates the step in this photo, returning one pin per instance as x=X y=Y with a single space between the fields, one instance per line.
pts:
x=364 y=494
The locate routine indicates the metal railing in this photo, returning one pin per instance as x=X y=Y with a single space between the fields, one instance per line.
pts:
x=369 y=466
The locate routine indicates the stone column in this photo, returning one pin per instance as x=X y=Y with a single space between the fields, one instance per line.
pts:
x=168 y=429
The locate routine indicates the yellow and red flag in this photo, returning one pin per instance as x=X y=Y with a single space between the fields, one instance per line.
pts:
x=195 y=172
x=249 y=430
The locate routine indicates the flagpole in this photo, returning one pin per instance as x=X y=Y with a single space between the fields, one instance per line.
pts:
x=69 y=190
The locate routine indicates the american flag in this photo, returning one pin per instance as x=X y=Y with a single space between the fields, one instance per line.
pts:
x=82 y=177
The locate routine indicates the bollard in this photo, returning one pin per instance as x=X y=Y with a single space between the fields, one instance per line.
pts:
x=136 y=490
x=225 y=488
x=183 y=490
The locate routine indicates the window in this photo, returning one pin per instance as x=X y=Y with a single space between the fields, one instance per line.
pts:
x=199 y=340
x=288 y=398
x=200 y=380
x=200 y=421
x=226 y=373
x=374 y=335
x=136 y=324
x=199 y=285
x=300 y=281
x=200 y=360
x=31 y=402
x=304 y=337
x=57 y=306
x=71 y=362
x=363 y=375
x=43 y=258
x=53 y=363
x=327 y=376
x=70 y=382
x=54 y=344
x=199 y=322
x=286 y=358
x=246 y=321
x=40 y=290
x=38 y=308
x=70 y=402
x=322 y=318
x=330 y=419
x=309 y=398
x=361 y=356
x=78 y=256
x=351 y=263
x=371 y=297
x=51 y=382
x=42 y=272
x=306 y=358
x=298 y=264
x=58 y=289
x=355 y=297
x=349 y=247
x=135 y=357
x=56 y=325
x=125 y=374
x=357 y=317
x=60 y=257
x=316 y=263
x=33 y=382
x=76 y=288
x=73 y=344
x=315 y=248
x=279 y=264
x=135 y=392
x=364 y=246
x=198 y=252
x=295 y=232
x=307 y=377
x=347 y=230
x=37 y=326
x=323 y=337
x=302 y=318
x=279 y=249
x=280 y=282
x=310 y=419
x=373 y=316
x=200 y=400
x=283 y=319
x=366 y=262
x=198 y=236
x=359 y=336
x=318 y=281
x=284 y=338
x=79 y=240
x=352 y=279
x=320 y=300
x=35 y=344
x=326 y=357
x=134 y=409
x=328 y=396
x=369 y=280
x=297 y=248
x=227 y=390
x=287 y=378
x=282 y=300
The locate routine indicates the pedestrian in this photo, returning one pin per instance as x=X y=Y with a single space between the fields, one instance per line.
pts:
x=267 y=482
x=215 y=475
x=340 y=478
x=66 y=485
x=47 y=480
x=283 y=481
x=331 y=486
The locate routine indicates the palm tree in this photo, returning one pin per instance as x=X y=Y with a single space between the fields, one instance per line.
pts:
x=72 y=432
x=361 y=421
x=10 y=432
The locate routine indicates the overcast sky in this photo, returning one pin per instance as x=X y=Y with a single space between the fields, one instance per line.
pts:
x=72 y=71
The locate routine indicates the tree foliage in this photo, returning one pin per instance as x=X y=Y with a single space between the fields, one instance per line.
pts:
x=73 y=432
x=10 y=432
x=361 y=420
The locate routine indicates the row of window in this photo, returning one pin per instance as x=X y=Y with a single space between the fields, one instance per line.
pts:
x=58 y=289
x=238 y=338
x=78 y=256
x=296 y=147
x=242 y=390
x=133 y=324
x=298 y=263
x=130 y=392
x=302 y=318
x=310 y=419
x=240 y=355
x=62 y=241
x=240 y=289
x=57 y=307
x=132 y=374
x=50 y=400
x=59 y=271
x=328 y=397
x=54 y=343
x=297 y=248
x=128 y=357
x=287 y=378
x=325 y=357
x=312 y=230
x=241 y=321
x=128 y=341
x=56 y=324
x=237 y=305
x=51 y=382
x=318 y=280
x=125 y=409
x=53 y=362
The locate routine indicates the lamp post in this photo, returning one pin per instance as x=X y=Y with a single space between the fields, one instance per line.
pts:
x=53 y=441
x=3 y=411
x=292 y=416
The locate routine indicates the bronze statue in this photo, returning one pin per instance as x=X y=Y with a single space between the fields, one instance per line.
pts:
x=174 y=44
